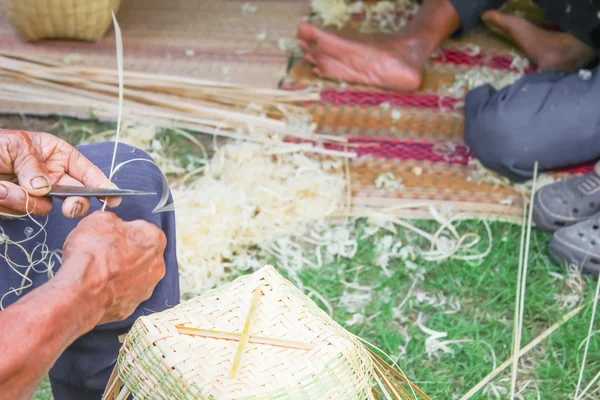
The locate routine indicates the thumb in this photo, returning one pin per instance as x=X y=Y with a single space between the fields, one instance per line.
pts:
x=31 y=172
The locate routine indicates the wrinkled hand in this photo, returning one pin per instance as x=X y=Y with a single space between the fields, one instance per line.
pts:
x=34 y=161
x=115 y=265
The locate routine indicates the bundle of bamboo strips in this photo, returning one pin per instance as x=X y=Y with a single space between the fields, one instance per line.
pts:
x=225 y=109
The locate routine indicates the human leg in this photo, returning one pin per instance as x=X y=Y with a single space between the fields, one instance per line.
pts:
x=392 y=61
x=550 y=50
x=550 y=118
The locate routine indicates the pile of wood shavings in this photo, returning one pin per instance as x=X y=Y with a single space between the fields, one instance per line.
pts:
x=248 y=196
x=379 y=17
x=475 y=77
x=251 y=201
x=481 y=76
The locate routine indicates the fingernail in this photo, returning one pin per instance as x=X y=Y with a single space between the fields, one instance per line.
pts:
x=76 y=210
x=3 y=192
x=39 y=182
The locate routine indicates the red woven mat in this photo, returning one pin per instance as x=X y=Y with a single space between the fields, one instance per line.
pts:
x=417 y=136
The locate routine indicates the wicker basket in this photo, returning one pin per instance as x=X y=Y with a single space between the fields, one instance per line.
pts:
x=61 y=19
x=256 y=338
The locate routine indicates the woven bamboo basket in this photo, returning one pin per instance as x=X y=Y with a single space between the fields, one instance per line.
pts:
x=61 y=19
x=258 y=337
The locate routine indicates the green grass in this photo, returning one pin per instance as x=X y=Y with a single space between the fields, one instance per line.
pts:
x=486 y=294
x=43 y=392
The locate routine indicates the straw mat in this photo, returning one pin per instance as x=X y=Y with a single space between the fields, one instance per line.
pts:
x=418 y=137
x=212 y=39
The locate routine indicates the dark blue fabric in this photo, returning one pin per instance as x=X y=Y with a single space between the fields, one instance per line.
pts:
x=579 y=18
x=84 y=368
x=469 y=12
x=551 y=118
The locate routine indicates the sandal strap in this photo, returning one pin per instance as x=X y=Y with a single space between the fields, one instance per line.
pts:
x=589 y=184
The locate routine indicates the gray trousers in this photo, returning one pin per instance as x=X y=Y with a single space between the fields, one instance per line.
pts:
x=551 y=118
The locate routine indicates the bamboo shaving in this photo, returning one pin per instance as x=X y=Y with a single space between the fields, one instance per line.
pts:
x=476 y=77
x=522 y=286
x=119 y=47
x=381 y=16
x=332 y=12
x=548 y=332
x=162 y=100
x=587 y=341
x=479 y=173
x=248 y=198
x=39 y=260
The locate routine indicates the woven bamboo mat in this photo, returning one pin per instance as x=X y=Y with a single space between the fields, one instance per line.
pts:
x=212 y=39
x=419 y=136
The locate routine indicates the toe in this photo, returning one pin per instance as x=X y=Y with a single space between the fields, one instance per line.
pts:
x=496 y=21
x=310 y=58
x=307 y=32
x=304 y=47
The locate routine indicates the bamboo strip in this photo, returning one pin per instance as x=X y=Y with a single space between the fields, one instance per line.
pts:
x=103 y=107
x=237 y=361
x=114 y=383
x=398 y=375
x=523 y=351
x=237 y=336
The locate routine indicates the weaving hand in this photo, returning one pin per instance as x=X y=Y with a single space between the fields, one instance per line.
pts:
x=114 y=264
x=31 y=162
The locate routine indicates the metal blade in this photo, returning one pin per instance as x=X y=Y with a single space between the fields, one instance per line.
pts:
x=78 y=191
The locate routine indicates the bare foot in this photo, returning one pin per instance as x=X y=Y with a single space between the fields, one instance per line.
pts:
x=550 y=50
x=389 y=62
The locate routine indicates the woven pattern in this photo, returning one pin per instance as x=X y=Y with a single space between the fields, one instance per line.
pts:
x=159 y=362
x=419 y=137
x=61 y=19
x=209 y=39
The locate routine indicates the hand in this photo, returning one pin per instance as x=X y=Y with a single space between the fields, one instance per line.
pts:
x=115 y=265
x=31 y=162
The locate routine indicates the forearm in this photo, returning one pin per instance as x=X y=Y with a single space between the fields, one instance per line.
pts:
x=35 y=331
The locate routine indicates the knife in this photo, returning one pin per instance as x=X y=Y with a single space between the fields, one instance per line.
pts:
x=80 y=191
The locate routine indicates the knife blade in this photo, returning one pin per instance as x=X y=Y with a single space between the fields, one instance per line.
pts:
x=80 y=191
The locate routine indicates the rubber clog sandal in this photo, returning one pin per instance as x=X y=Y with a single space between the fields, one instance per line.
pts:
x=567 y=202
x=579 y=244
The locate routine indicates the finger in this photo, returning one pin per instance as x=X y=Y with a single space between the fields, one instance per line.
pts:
x=99 y=218
x=29 y=167
x=15 y=200
x=85 y=171
x=112 y=201
x=310 y=58
x=304 y=47
x=7 y=214
x=307 y=32
x=149 y=234
x=73 y=207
